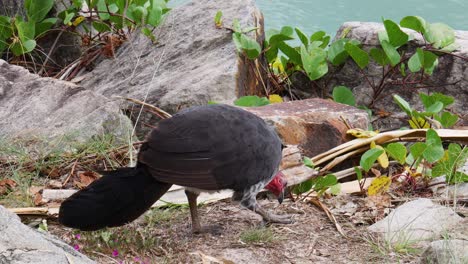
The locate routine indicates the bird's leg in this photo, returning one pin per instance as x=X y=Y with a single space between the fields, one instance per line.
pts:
x=192 y=200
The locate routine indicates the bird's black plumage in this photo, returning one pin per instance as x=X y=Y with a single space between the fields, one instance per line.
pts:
x=207 y=147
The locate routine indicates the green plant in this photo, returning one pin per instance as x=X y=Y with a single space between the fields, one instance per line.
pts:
x=314 y=54
x=408 y=70
x=319 y=184
x=428 y=159
x=103 y=26
x=435 y=113
x=19 y=35
x=114 y=16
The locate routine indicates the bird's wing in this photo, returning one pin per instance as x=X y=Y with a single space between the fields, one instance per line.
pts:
x=180 y=151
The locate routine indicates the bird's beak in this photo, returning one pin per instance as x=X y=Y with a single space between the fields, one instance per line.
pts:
x=281 y=197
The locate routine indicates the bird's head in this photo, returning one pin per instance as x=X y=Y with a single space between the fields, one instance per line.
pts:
x=277 y=186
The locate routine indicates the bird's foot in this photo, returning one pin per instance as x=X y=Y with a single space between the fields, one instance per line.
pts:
x=280 y=219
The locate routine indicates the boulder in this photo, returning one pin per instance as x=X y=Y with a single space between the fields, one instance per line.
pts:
x=20 y=244
x=450 y=76
x=193 y=62
x=315 y=125
x=446 y=252
x=415 y=221
x=49 y=108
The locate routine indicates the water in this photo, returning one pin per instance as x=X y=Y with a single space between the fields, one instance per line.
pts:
x=313 y=15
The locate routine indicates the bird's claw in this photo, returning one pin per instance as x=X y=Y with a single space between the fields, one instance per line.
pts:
x=280 y=219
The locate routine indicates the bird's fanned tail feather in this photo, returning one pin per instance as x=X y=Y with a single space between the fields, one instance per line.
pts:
x=115 y=199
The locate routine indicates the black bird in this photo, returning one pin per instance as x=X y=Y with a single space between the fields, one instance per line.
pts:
x=204 y=148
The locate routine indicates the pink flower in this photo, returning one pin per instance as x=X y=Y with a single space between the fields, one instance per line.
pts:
x=115 y=253
x=76 y=247
x=77 y=236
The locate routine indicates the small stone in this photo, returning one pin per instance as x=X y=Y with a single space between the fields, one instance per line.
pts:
x=417 y=220
x=446 y=252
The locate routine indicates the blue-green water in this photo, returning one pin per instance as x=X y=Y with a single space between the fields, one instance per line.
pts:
x=328 y=15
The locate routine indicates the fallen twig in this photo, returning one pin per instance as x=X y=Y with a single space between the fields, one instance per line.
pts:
x=327 y=211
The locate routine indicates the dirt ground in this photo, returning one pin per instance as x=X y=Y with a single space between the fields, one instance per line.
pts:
x=312 y=238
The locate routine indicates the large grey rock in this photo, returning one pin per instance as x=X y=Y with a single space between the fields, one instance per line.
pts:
x=19 y=244
x=193 y=62
x=417 y=220
x=446 y=252
x=48 y=108
x=450 y=76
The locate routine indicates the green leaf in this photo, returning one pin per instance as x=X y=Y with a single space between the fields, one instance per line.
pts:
x=308 y=162
x=321 y=184
x=325 y=42
x=101 y=26
x=358 y=173
x=434 y=150
x=302 y=37
x=343 y=95
x=303 y=187
x=430 y=62
x=429 y=100
x=337 y=54
x=359 y=56
x=403 y=69
x=396 y=37
x=217 y=18
x=403 y=104
x=78 y=4
x=251 y=101
x=147 y=32
x=271 y=53
x=22 y=47
x=440 y=35
x=102 y=8
x=138 y=14
x=416 y=61
x=286 y=33
x=451 y=47
x=317 y=36
x=382 y=35
x=314 y=62
x=236 y=25
x=68 y=18
x=45 y=25
x=435 y=108
x=447 y=119
x=417 y=149
x=455 y=158
x=397 y=151
x=379 y=56
x=415 y=23
x=29 y=45
x=250 y=46
x=391 y=52
x=155 y=12
x=5 y=32
x=37 y=10
x=335 y=189
x=291 y=52
x=369 y=157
